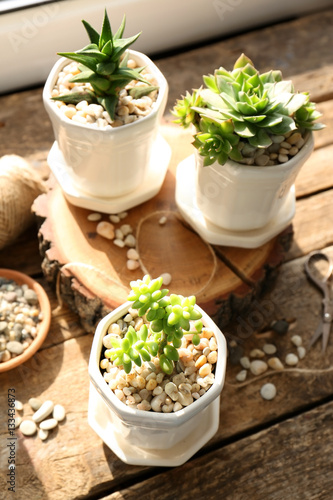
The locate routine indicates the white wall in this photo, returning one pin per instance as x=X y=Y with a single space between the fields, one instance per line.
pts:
x=30 y=38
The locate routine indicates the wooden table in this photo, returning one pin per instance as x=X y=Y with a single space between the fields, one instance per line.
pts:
x=279 y=449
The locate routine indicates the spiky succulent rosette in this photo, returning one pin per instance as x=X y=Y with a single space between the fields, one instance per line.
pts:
x=243 y=105
x=103 y=64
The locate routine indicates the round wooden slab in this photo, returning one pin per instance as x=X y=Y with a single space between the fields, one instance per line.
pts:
x=91 y=274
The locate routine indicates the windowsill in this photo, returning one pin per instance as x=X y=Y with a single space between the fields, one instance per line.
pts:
x=31 y=38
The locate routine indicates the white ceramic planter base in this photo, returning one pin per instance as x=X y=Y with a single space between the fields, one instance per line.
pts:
x=186 y=202
x=99 y=420
x=160 y=158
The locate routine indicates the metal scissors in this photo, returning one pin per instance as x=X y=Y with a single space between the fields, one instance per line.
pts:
x=324 y=284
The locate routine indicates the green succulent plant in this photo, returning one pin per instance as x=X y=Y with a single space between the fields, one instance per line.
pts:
x=168 y=319
x=103 y=64
x=243 y=105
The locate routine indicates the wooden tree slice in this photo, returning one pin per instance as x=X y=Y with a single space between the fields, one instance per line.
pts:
x=91 y=273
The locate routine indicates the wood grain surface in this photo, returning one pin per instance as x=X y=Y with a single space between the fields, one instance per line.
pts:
x=263 y=450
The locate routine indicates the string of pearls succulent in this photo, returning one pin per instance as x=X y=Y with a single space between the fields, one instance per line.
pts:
x=282 y=149
x=147 y=387
x=19 y=318
x=128 y=110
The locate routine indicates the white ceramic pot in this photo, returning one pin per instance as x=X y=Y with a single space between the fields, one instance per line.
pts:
x=106 y=163
x=147 y=437
x=241 y=198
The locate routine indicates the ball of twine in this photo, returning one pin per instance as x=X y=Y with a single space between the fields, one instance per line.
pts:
x=20 y=184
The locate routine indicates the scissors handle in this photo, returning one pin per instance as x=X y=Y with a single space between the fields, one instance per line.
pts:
x=320 y=283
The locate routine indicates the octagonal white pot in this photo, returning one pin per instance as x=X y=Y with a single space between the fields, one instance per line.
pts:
x=106 y=163
x=238 y=197
x=146 y=437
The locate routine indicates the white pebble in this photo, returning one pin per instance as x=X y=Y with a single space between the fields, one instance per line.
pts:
x=275 y=364
x=268 y=391
x=130 y=241
x=241 y=376
x=94 y=217
x=118 y=234
x=119 y=243
x=35 y=403
x=269 y=349
x=162 y=220
x=245 y=362
x=123 y=215
x=258 y=367
x=59 y=412
x=48 y=424
x=126 y=229
x=18 y=405
x=114 y=218
x=28 y=427
x=43 y=412
x=43 y=434
x=291 y=359
x=301 y=352
x=257 y=353
x=105 y=229
x=132 y=264
x=18 y=421
x=132 y=254
x=166 y=277
x=296 y=340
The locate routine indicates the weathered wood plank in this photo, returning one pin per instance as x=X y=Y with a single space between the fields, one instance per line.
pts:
x=60 y=373
x=73 y=461
x=292 y=459
x=317 y=173
x=313 y=224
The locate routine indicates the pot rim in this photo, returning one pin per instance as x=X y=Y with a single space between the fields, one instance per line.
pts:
x=43 y=326
x=161 y=99
x=241 y=169
x=152 y=419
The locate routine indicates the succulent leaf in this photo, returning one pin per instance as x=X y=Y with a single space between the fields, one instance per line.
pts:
x=92 y=33
x=104 y=65
x=258 y=106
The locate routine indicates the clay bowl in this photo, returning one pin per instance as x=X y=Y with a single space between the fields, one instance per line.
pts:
x=43 y=326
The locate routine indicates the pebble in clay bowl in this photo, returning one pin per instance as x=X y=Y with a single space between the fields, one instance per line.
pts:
x=25 y=315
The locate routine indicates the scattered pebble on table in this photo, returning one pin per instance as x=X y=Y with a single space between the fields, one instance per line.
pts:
x=105 y=229
x=291 y=359
x=35 y=403
x=114 y=218
x=269 y=349
x=94 y=217
x=166 y=277
x=275 y=363
x=268 y=391
x=245 y=362
x=132 y=254
x=301 y=351
x=44 y=411
x=241 y=376
x=296 y=340
x=280 y=326
x=132 y=264
x=257 y=367
x=257 y=353
x=46 y=417
x=28 y=427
